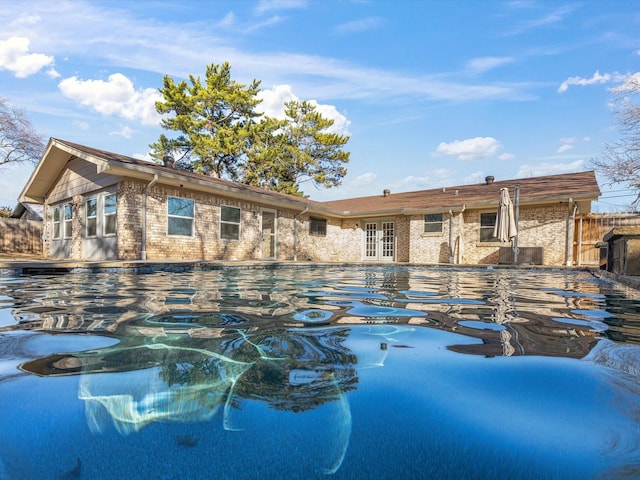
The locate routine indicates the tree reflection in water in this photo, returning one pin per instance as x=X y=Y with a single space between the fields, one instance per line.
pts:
x=184 y=379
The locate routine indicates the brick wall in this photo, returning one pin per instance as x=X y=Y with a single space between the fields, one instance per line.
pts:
x=429 y=247
x=343 y=242
x=205 y=244
x=537 y=227
x=129 y=219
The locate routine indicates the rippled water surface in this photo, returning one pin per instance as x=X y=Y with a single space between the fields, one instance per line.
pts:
x=352 y=372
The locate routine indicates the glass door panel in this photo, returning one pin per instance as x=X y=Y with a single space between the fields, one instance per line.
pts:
x=268 y=234
x=379 y=241
x=371 y=241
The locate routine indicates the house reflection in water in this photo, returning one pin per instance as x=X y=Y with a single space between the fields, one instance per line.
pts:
x=181 y=378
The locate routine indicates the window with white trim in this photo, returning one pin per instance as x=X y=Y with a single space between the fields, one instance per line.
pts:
x=229 y=222
x=68 y=220
x=180 y=214
x=109 y=210
x=56 y=217
x=91 y=217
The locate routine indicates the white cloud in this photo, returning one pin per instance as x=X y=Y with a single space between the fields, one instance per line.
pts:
x=340 y=122
x=228 y=21
x=556 y=16
x=471 y=148
x=80 y=125
x=367 y=177
x=434 y=179
x=124 y=131
x=565 y=147
x=483 y=64
x=362 y=25
x=116 y=96
x=539 y=169
x=270 y=5
x=14 y=57
x=596 y=78
x=273 y=101
x=568 y=143
x=506 y=156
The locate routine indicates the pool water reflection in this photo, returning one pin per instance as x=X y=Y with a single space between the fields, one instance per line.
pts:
x=359 y=372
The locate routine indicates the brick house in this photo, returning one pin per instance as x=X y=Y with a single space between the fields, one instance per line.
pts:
x=101 y=205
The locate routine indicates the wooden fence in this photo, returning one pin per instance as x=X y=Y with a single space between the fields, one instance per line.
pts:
x=18 y=236
x=590 y=229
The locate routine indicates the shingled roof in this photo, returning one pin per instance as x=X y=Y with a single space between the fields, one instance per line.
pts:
x=59 y=152
x=546 y=189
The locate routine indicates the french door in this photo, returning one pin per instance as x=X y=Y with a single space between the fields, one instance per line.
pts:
x=268 y=235
x=379 y=241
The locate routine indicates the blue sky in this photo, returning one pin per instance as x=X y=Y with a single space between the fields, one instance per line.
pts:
x=432 y=93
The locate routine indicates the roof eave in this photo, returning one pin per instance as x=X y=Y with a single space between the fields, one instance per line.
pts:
x=483 y=204
x=26 y=195
x=142 y=172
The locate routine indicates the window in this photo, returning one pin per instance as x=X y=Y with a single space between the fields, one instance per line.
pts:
x=56 y=223
x=180 y=216
x=68 y=220
x=487 y=224
x=433 y=223
x=109 y=212
x=318 y=226
x=91 y=217
x=229 y=223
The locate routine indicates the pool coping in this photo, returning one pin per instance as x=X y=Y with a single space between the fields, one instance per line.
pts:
x=10 y=267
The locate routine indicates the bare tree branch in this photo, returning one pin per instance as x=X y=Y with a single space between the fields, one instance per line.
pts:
x=19 y=142
x=620 y=161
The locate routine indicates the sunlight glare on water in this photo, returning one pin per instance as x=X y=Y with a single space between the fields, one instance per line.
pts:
x=298 y=373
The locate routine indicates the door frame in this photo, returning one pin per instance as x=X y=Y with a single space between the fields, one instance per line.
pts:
x=273 y=235
x=376 y=240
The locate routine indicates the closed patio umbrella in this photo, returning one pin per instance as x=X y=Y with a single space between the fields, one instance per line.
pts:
x=505 y=229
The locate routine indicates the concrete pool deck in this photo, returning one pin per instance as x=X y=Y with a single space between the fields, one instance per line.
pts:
x=11 y=264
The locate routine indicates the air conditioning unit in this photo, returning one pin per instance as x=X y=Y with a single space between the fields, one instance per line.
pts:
x=526 y=255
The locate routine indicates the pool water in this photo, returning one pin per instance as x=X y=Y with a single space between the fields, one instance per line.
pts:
x=302 y=373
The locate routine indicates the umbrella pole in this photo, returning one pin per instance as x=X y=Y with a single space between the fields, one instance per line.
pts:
x=514 y=242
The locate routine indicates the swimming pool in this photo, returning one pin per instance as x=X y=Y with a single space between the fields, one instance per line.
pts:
x=336 y=372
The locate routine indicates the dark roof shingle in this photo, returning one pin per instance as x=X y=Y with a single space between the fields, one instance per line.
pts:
x=581 y=185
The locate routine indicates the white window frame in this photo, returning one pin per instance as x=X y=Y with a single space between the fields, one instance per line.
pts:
x=67 y=223
x=106 y=215
x=88 y=217
x=227 y=222
x=56 y=223
x=181 y=217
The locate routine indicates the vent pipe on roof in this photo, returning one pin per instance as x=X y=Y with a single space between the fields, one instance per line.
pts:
x=489 y=179
x=386 y=192
x=168 y=161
